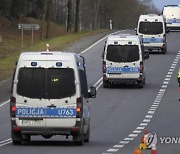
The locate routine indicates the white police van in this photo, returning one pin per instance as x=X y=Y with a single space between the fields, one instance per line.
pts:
x=152 y=29
x=172 y=16
x=50 y=97
x=123 y=60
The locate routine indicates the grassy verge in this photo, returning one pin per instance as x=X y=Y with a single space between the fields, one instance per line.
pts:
x=10 y=49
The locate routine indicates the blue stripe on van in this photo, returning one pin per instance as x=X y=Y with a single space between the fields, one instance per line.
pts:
x=170 y=21
x=116 y=70
x=152 y=40
x=45 y=112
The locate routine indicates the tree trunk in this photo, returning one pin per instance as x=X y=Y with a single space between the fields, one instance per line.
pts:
x=77 y=17
x=69 y=20
x=49 y=13
x=44 y=10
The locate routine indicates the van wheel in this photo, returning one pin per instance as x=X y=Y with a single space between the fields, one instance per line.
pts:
x=16 y=138
x=141 y=84
x=26 y=139
x=106 y=85
x=87 y=135
x=79 y=139
x=163 y=51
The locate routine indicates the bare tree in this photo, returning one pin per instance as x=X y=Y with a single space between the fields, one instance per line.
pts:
x=69 y=20
x=76 y=29
x=49 y=12
x=44 y=10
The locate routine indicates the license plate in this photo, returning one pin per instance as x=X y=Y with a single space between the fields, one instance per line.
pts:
x=115 y=75
x=31 y=122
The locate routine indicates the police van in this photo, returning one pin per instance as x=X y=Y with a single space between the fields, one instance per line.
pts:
x=123 y=60
x=152 y=29
x=50 y=97
x=172 y=16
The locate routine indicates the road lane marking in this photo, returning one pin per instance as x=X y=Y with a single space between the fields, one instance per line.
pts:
x=4 y=103
x=133 y=135
x=137 y=131
x=118 y=146
x=5 y=142
x=112 y=150
x=129 y=139
x=124 y=142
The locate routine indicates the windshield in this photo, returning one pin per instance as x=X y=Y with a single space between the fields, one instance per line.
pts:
x=51 y=83
x=151 y=28
x=122 y=53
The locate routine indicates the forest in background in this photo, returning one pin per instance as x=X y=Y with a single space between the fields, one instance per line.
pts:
x=77 y=15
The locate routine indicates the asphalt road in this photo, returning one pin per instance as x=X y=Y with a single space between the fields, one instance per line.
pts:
x=119 y=115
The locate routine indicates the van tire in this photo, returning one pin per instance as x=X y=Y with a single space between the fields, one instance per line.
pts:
x=26 y=139
x=16 y=138
x=106 y=85
x=163 y=51
x=87 y=135
x=79 y=139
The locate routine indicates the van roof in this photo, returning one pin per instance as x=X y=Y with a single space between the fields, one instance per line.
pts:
x=151 y=17
x=41 y=55
x=52 y=55
x=123 y=37
x=112 y=39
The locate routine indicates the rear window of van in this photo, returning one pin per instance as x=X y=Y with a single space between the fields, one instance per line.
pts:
x=152 y=28
x=122 y=53
x=47 y=83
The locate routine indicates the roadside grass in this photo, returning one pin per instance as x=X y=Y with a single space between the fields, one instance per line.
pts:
x=11 y=48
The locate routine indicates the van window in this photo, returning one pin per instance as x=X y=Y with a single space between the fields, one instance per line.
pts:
x=122 y=53
x=151 y=27
x=60 y=83
x=83 y=83
x=51 y=83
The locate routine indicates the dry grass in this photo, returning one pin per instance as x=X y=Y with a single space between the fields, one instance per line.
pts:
x=10 y=47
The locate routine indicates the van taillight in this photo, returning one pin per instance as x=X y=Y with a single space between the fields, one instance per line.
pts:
x=79 y=108
x=164 y=38
x=13 y=106
x=141 y=67
x=104 y=67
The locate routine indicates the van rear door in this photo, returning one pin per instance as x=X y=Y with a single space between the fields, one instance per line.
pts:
x=123 y=61
x=30 y=102
x=61 y=95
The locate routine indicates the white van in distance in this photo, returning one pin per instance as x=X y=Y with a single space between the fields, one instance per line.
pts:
x=50 y=97
x=123 y=60
x=172 y=16
x=152 y=29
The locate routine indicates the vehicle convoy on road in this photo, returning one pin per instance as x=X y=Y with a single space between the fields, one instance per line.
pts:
x=123 y=60
x=50 y=97
x=172 y=16
x=152 y=29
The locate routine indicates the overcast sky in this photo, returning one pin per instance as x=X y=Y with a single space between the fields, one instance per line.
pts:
x=160 y=3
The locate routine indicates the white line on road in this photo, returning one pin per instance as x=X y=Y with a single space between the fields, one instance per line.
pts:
x=4 y=103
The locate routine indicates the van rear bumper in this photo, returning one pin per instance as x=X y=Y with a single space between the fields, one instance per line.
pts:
x=124 y=81
x=76 y=129
x=157 y=48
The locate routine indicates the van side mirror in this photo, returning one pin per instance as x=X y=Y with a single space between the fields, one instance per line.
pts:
x=135 y=30
x=146 y=55
x=92 y=92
